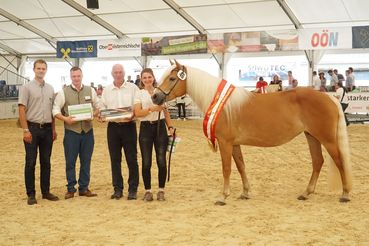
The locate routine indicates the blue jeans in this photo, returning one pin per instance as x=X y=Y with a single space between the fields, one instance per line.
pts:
x=75 y=144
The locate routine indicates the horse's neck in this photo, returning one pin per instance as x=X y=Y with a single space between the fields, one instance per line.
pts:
x=201 y=87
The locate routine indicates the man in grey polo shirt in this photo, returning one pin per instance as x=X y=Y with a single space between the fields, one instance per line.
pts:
x=35 y=116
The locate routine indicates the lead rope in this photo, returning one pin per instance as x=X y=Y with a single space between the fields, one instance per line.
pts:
x=170 y=152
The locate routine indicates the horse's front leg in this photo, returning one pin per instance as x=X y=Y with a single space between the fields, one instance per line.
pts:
x=238 y=158
x=226 y=154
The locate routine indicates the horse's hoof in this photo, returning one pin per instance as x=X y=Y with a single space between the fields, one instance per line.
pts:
x=220 y=203
x=302 y=198
x=244 y=197
x=344 y=199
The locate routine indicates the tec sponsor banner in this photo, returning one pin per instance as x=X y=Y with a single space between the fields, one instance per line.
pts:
x=189 y=44
x=358 y=102
x=76 y=49
x=119 y=47
x=360 y=37
x=275 y=40
x=325 y=38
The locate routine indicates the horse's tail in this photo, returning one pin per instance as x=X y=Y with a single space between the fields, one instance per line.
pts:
x=334 y=177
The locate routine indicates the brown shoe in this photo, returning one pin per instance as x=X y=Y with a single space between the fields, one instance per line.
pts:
x=69 y=195
x=87 y=193
x=50 y=197
x=160 y=196
x=148 y=197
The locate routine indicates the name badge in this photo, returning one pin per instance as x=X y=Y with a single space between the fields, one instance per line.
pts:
x=87 y=98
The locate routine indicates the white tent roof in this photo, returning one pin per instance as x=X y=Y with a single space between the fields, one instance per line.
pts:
x=33 y=26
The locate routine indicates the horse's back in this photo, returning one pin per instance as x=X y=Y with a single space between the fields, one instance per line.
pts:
x=275 y=118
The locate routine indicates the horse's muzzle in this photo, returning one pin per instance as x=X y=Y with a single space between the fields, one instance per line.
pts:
x=158 y=97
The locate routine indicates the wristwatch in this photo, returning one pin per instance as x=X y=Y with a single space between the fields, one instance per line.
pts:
x=25 y=130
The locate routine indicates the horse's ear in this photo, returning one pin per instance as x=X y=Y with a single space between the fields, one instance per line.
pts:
x=177 y=64
x=171 y=62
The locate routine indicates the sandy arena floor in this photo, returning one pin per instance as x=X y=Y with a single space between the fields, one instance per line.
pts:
x=189 y=217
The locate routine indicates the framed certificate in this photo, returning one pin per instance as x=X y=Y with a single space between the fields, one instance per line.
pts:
x=117 y=114
x=81 y=111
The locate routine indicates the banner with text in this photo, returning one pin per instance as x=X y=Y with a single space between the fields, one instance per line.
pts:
x=76 y=49
x=189 y=44
x=358 y=102
x=119 y=47
x=325 y=38
x=360 y=37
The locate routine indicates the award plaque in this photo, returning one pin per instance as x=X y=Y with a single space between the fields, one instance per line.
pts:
x=81 y=111
x=117 y=114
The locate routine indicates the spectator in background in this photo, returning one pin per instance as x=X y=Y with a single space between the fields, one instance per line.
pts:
x=93 y=86
x=293 y=85
x=352 y=73
x=334 y=80
x=316 y=81
x=275 y=79
x=341 y=95
x=99 y=90
x=138 y=80
x=129 y=79
x=290 y=78
x=339 y=76
x=323 y=81
x=275 y=85
x=181 y=105
x=350 y=80
x=261 y=86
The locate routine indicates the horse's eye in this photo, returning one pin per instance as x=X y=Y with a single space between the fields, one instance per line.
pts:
x=172 y=79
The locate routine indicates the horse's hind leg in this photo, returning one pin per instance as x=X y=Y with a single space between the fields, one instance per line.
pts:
x=334 y=153
x=226 y=154
x=317 y=161
x=238 y=159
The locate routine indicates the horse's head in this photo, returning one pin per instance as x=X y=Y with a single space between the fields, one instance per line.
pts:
x=173 y=84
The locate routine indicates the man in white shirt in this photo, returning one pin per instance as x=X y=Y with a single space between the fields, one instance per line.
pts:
x=334 y=79
x=316 y=81
x=122 y=133
x=78 y=135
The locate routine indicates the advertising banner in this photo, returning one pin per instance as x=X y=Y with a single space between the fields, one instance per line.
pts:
x=325 y=38
x=358 y=102
x=261 y=41
x=119 y=47
x=360 y=37
x=189 y=44
x=76 y=49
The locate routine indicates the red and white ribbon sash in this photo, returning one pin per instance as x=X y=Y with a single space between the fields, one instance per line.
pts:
x=223 y=92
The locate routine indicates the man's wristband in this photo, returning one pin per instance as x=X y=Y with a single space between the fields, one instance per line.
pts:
x=170 y=127
x=25 y=130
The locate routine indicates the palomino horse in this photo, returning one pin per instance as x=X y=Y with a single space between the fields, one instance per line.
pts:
x=246 y=120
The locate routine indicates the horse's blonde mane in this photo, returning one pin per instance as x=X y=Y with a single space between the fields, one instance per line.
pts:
x=201 y=86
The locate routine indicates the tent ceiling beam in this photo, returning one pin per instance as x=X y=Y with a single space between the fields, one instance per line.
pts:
x=29 y=27
x=287 y=10
x=185 y=16
x=10 y=50
x=95 y=18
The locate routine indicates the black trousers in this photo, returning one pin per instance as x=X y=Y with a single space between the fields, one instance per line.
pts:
x=123 y=135
x=42 y=140
x=149 y=137
x=181 y=107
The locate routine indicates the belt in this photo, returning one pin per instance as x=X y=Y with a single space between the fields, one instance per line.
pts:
x=39 y=125
x=151 y=122
x=121 y=123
